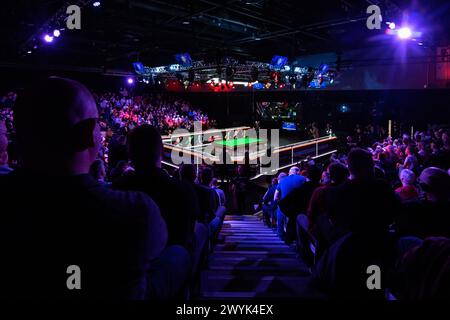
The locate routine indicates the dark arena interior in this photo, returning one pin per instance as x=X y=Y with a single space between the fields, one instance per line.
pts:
x=241 y=152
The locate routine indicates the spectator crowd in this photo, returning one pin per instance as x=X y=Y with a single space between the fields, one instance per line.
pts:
x=88 y=189
x=379 y=202
x=135 y=232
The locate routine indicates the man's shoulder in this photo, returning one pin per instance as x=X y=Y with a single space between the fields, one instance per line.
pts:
x=133 y=204
x=296 y=179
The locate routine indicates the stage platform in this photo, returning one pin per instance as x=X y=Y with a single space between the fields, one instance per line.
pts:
x=243 y=145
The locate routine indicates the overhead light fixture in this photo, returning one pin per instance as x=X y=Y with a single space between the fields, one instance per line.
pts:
x=48 y=38
x=404 y=33
x=96 y=4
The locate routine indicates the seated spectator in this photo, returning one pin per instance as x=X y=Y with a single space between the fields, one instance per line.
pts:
x=119 y=170
x=268 y=202
x=4 y=168
x=319 y=205
x=341 y=272
x=64 y=217
x=176 y=200
x=430 y=216
x=221 y=194
x=98 y=172
x=407 y=191
x=239 y=189
x=205 y=176
x=423 y=272
x=206 y=196
x=364 y=203
x=118 y=150
x=411 y=161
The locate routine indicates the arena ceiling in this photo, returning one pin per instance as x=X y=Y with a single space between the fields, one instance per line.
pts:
x=119 y=32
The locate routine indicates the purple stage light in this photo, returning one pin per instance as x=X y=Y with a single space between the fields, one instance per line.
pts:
x=48 y=38
x=130 y=81
x=404 y=33
x=56 y=33
x=96 y=4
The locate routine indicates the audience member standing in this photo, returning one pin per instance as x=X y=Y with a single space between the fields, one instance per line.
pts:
x=285 y=186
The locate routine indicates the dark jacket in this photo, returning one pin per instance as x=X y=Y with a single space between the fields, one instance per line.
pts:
x=176 y=200
x=50 y=223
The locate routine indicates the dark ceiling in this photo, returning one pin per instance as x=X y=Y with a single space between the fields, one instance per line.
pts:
x=122 y=31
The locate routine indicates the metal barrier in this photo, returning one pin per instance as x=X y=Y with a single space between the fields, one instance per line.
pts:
x=288 y=155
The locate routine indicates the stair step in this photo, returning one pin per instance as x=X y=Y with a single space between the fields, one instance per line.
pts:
x=248 y=234
x=233 y=238
x=245 y=216
x=261 y=242
x=248 y=226
x=254 y=254
x=245 y=263
x=251 y=261
x=303 y=295
x=253 y=247
x=248 y=230
x=254 y=286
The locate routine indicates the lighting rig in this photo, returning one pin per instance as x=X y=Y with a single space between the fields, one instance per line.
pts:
x=201 y=76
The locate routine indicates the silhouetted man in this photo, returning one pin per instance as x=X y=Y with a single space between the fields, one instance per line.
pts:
x=363 y=203
x=55 y=215
x=176 y=200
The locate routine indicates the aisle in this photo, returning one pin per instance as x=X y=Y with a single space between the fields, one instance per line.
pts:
x=250 y=261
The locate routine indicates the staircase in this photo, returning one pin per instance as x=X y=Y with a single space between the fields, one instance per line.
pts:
x=250 y=261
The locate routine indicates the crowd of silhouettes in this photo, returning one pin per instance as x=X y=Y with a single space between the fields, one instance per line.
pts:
x=385 y=203
x=82 y=184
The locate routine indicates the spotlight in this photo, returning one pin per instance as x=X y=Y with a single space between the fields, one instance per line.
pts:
x=96 y=4
x=130 y=80
x=404 y=33
x=48 y=38
x=391 y=25
x=56 y=33
x=29 y=51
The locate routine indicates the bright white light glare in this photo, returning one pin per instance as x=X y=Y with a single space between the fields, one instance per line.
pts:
x=96 y=4
x=391 y=25
x=404 y=33
x=56 y=33
x=48 y=38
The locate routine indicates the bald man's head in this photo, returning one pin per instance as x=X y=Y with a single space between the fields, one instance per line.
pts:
x=56 y=117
